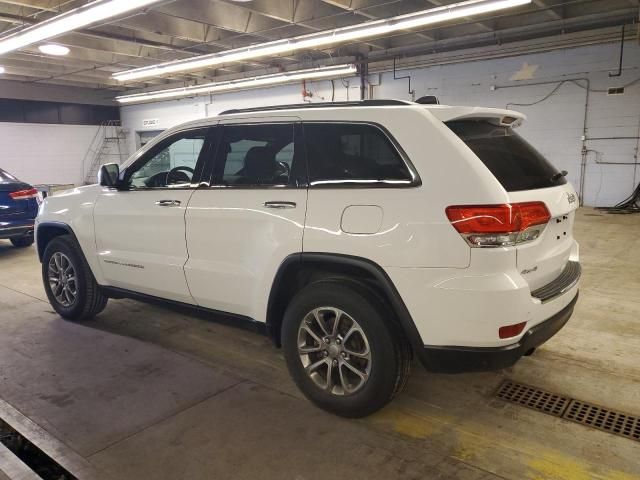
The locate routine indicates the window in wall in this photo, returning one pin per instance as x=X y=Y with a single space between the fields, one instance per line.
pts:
x=351 y=152
x=257 y=155
x=173 y=165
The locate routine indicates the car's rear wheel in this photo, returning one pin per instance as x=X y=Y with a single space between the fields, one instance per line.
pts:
x=22 y=242
x=344 y=349
x=68 y=282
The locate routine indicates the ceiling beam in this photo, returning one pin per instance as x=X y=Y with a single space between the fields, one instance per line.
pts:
x=47 y=5
x=44 y=73
x=359 y=8
x=482 y=25
x=554 y=13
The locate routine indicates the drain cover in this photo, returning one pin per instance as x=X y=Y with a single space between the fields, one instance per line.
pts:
x=604 y=419
x=532 y=397
x=594 y=416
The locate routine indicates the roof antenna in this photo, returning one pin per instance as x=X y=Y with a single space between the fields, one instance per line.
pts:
x=428 y=100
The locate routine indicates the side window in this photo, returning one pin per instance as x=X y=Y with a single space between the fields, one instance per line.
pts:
x=351 y=152
x=170 y=164
x=256 y=155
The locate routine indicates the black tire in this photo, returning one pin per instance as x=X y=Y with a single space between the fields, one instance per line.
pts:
x=89 y=300
x=22 y=242
x=390 y=355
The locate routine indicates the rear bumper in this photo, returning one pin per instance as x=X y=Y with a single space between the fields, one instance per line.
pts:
x=451 y=359
x=16 y=228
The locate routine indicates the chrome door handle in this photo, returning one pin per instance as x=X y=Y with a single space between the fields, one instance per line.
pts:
x=168 y=203
x=280 y=204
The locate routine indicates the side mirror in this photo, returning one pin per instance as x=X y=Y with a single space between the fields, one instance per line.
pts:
x=108 y=175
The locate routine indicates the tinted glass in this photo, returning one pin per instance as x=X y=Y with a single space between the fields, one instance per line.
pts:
x=173 y=165
x=351 y=152
x=256 y=155
x=515 y=163
x=6 y=177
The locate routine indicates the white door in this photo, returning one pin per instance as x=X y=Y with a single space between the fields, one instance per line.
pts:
x=140 y=228
x=241 y=228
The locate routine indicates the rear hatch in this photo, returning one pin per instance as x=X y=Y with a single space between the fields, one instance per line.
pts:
x=527 y=177
x=13 y=207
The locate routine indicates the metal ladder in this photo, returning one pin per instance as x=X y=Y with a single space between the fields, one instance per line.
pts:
x=106 y=147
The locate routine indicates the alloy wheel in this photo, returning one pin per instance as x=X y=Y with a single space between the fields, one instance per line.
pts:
x=62 y=279
x=334 y=351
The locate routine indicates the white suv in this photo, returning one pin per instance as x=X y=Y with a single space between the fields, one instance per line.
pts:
x=356 y=234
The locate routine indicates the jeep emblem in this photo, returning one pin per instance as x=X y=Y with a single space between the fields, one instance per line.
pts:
x=571 y=198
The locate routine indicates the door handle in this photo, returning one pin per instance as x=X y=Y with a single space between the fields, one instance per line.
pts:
x=280 y=204
x=168 y=203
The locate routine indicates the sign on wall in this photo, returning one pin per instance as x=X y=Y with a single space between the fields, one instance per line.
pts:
x=151 y=122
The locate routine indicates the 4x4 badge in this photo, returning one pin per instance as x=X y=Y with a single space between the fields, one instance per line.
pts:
x=571 y=197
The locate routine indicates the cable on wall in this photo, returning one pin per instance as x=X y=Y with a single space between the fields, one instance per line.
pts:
x=407 y=77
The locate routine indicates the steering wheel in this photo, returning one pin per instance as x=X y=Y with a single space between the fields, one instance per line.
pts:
x=177 y=175
x=282 y=169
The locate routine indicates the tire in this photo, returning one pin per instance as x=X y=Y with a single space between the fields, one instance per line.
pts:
x=22 y=242
x=385 y=369
x=88 y=300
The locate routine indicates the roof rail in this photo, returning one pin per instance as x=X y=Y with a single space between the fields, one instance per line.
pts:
x=295 y=106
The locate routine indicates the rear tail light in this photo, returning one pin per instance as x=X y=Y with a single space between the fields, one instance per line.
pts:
x=509 y=331
x=499 y=225
x=24 y=194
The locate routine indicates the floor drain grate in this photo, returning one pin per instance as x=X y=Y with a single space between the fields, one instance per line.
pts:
x=34 y=458
x=532 y=397
x=604 y=419
x=594 y=416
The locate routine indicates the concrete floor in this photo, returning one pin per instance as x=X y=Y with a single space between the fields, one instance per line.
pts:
x=151 y=392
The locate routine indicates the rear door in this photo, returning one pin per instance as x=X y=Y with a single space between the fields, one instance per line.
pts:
x=527 y=177
x=250 y=218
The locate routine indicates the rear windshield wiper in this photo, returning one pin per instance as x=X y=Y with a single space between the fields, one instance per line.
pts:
x=557 y=176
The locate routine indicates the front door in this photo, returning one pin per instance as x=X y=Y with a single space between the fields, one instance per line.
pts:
x=140 y=229
x=251 y=217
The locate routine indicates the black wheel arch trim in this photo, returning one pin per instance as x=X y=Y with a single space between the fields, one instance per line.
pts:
x=376 y=271
x=59 y=225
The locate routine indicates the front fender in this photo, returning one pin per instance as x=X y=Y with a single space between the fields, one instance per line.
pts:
x=71 y=211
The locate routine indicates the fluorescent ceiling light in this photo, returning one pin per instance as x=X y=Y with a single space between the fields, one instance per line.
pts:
x=354 y=32
x=71 y=20
x=53 y=49
x=1 y=69
x=243 y=83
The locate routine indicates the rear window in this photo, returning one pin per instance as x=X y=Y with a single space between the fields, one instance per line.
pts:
x=7 y=177
x=515 y=163
x=352 y=153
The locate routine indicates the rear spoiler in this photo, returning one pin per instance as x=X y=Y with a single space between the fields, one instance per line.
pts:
x=496 y=116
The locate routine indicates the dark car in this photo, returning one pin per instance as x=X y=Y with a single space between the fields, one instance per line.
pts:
x=18 y=210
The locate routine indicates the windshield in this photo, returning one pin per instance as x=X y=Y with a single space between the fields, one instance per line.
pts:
x=515 y=163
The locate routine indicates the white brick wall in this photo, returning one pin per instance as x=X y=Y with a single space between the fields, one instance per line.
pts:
x=43 y=153
x=554 y=126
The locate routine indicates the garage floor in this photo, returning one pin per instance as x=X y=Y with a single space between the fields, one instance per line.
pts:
x=150 y=392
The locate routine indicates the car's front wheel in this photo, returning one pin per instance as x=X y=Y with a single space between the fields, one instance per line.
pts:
x=344 y=349
x=68 y=282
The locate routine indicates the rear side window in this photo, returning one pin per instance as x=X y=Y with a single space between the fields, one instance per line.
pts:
x=7 y=177
x=352 y=152
x=515 y=163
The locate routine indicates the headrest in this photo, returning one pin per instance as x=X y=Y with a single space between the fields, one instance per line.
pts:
x=260 y=162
